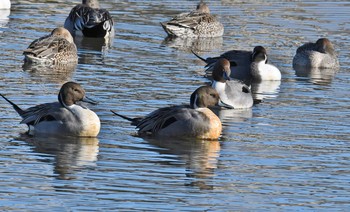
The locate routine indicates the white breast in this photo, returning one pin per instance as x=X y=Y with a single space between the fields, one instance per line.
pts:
x=268 y=71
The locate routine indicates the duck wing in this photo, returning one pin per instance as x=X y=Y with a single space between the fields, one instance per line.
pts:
x=82 y=17
x=47 y=47
x=43 y=112
x=162 y=118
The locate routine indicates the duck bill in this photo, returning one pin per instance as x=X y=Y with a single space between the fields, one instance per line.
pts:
x=88 y=100
x=226 y=77
x=223 y=104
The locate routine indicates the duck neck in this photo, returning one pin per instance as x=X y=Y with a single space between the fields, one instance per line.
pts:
x=219 y=86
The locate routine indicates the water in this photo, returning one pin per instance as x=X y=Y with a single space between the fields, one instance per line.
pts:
x=290 y=152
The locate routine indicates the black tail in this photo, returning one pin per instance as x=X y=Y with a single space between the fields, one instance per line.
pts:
x=199 y=57
x=209 y=61
x=18 y=109
x=134 y=121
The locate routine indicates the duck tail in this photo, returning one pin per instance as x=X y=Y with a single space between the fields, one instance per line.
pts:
x=134 y=121
x=18 y=109
x=199 y=57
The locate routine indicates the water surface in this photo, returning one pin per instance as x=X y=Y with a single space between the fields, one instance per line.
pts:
x=291 y=152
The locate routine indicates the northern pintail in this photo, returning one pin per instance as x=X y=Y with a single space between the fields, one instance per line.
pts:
x=233 y=93
x=193 y=121
x=5 y=4
x=316 y=55
x=56 y=48
x=62 y=118
x=90 y=20
x=198 y=23
x=247 y=66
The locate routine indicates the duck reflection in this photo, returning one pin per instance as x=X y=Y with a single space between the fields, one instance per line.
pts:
x=58 y=73
x=95 y=44
x=4 y=18
x=319 y=76
x=92 y=50
x=265 y=90
x=233 y=115
x=194 y=44
x=200 y=157
x=70 y=154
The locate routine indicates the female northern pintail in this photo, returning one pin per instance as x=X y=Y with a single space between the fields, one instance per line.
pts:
x=5 y=4
x=194 y=121
x=246 y=66
x=198 y=23
x=62 y=118
x=90 y=20
x=316 y=55
x=56 y=48
x=233 y=93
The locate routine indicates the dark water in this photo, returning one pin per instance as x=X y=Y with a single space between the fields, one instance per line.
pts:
x=290 y=152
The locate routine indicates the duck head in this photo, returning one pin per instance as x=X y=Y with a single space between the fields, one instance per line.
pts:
x=222 y=70
x=324 y=45
x=204 y=96
x=72 y=93
x=202 y=8
x=92 y=3
x=259 y=54
x=62 y=33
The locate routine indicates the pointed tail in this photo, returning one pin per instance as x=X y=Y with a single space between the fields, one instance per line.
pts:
x=18 y=109
x=199 y=57
x=134 y=121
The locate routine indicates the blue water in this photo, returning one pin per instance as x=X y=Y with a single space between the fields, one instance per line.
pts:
x=289 y=153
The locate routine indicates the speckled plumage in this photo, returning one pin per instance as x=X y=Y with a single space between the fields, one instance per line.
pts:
x=316 y=55
x=198 y=23
x=56 y=48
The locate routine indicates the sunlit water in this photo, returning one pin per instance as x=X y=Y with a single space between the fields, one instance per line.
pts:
x=291 y=152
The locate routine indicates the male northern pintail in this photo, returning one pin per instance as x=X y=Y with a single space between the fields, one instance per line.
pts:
x=5 y=4
x=316 y=55
x=62 y=118
x=198 y=23
x=193 y=121
x=90 y=20
x=56 y=48
x=246 y=66
x=233 y=93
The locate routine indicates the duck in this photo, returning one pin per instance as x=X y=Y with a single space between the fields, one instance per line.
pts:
x=62 y=118
x=55 y=48
x=316 y=55
x=233 y=93
x=194 y=121
x=260 y=69
x=195 y=24
x=90 y=20
x=5 y=4
x=246 y=66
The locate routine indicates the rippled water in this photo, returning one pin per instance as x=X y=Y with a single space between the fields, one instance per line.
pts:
x=291 y=152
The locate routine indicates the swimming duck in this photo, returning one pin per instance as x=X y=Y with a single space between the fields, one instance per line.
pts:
x=316 y=55
x=260 y=69
x=56 y=48
x=62 y=118
x=233 y=93
x=198 y=23
x=193 y=121
x=90 y=20
x=5 y=4
x=247 y=66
